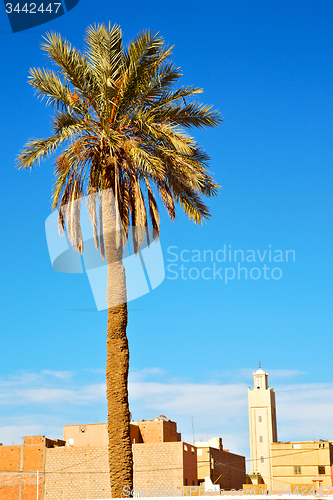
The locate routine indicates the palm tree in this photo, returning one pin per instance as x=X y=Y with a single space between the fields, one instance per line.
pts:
x=118 y=128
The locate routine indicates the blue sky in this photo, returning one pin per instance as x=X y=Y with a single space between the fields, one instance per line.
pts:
x=267 y=66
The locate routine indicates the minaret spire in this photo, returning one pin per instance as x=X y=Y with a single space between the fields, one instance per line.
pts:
x=263 y=432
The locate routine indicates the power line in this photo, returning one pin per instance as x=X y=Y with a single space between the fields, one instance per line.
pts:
x=203 y=462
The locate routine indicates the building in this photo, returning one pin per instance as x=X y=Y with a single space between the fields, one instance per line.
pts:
x=302 y=463
x=262 y=420
x=19 y=465
x=302 y=466
x=77 y=466
x=223 y=468
x=161 y=460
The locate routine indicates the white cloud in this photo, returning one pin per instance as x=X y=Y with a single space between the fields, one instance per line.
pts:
x=59 y=396
x=63 y=375
x=27 y=387
x=41 y=403
x=305 y=411
x=246 y=374
x=138 y=375
x=280 y=373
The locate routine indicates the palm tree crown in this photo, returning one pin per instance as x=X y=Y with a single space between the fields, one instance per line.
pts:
x=120 y=125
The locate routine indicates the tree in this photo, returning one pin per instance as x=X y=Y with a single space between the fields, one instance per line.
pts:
x=119 y=131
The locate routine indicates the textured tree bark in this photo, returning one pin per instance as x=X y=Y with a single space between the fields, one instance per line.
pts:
x=117 y=363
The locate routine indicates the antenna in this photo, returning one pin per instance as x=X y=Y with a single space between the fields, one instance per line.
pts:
x=193 y=430
x=259 y=365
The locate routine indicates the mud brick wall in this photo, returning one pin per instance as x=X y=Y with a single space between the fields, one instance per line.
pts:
x=18 y=469
x=73 y=473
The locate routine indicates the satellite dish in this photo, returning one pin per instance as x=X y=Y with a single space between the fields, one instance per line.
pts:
x=70 y=442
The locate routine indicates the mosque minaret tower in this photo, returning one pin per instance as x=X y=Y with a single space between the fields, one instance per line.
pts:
x=263 y=432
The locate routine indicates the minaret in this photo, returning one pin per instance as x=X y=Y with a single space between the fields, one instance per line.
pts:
x=262 y=417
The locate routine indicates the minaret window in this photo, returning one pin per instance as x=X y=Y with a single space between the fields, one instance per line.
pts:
x=261 y=439
x=260 y=418
x=262 y=460
x=298 y=469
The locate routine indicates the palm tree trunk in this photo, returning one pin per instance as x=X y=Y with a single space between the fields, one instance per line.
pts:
x=117 y=362
x=120 y=448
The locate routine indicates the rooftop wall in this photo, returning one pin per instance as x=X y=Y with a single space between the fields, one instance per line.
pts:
x=18 y=479
x=158 y=431
x=145 y=431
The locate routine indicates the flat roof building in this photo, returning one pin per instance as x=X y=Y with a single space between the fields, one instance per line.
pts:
x=77 y=467
x=306 y=465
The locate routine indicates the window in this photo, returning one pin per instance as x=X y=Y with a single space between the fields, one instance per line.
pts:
x=298 y=469
x=261 y=439
x=321 y=469
x=192 y=450
x=185 y=447
x=262 y=460
x=260 y=418
x=185 y=482
x=192 y=483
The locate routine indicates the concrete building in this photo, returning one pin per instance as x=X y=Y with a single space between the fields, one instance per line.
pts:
x=305 y=465
x=302 y=463
x=77 y=466
x=262 y=420
x=161 y=460
x=223 y=468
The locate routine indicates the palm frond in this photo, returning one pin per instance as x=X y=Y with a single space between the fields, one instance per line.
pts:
x=49 y=85
x=72 y=65
x=38 y=149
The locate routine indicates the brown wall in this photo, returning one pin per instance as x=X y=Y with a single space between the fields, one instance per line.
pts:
x=230 y=467
x=18 y=479
x=164 y=465
x=190 y=465
x=135 y=434
x=158 y=431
